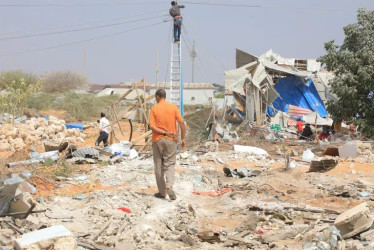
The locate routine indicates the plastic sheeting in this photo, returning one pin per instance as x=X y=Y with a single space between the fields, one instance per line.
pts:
x=74 y=125
x=293 y=90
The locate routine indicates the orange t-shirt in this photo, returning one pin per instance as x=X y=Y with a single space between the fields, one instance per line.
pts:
x=299 y=125
x=164 y=116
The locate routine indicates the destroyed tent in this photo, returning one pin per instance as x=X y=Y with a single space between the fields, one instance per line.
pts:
x=294 y=91
x=262 y=87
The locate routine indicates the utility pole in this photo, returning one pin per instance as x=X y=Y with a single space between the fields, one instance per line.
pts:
x=193 y=56
x=157 y=70
x=85 y=62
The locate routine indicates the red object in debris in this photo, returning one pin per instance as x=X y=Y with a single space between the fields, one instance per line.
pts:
x=260 y=232
x=214 y=193
x=126 y=210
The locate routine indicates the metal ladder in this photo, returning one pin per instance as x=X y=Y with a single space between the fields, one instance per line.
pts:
x=176 y=79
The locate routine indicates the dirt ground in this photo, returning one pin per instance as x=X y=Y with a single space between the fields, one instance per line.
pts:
x=86 y=197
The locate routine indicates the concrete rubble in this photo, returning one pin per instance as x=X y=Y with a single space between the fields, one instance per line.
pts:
x=33 y=131
x=283 y=195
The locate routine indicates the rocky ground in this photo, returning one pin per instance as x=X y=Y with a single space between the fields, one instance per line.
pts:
x=276 y=208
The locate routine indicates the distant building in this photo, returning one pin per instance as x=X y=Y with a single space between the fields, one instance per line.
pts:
x=193 y=93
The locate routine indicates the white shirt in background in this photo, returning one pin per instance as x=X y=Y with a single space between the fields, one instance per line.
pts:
x=104 y=125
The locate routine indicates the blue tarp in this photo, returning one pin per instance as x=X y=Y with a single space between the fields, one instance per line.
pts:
x=74 y=125
x=292 y=90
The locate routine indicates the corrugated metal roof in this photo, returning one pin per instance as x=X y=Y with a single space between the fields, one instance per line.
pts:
x=164 y=85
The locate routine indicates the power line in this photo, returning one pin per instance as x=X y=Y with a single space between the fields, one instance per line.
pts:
x=75 y=30
x=79 y=5
x=270 y=7
x=82 y=41
x=185 y=2
x=80 y=24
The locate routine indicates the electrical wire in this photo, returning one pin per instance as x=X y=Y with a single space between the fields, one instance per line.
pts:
x=268 y=7
x=185 y=2
x=81 y=29
x=81 y=41
x=81 y=24
x=79 y=5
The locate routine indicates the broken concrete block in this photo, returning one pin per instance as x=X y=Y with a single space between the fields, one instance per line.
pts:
x=26 y=187
x=10 y=185
x=323 y=165
x=348 y=151
x=22 y=203
x=32 y=221
x=55 y=237
x=354 y=220
x=367 y=236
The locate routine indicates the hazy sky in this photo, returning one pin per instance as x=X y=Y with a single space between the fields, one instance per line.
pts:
x=292 y=28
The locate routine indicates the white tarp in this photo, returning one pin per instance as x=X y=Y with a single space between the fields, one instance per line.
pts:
x=250 y=150
x=311 y=119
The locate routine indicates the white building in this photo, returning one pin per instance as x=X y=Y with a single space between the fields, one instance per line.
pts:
x=193 y=93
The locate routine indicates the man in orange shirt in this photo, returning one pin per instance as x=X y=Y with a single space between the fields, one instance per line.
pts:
x=163 y=122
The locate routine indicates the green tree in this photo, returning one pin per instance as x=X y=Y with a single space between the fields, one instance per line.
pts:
x=353 y=66
x=18 y=90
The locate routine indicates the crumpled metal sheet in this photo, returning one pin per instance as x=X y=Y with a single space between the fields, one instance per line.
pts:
x=86 y=153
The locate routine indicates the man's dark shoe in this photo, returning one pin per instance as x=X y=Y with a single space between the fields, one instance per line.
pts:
x=158 y=195
x=171 y=194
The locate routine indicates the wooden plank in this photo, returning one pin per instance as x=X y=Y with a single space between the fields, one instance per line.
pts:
x=124 y=95
x=141 y=137
x=97 y=235
x=129 y=111
x=145 y=145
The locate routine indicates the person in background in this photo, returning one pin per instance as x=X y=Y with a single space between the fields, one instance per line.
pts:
x=299 y=125
x=104 y=127
x=175 y=12
x=307 y=133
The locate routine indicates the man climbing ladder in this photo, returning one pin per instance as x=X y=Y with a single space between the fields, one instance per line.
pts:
x=175 y=12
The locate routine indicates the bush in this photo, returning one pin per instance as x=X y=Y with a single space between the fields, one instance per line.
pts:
x=81 y=106
x=59 y=82
x=13 y=77
x=42 y=101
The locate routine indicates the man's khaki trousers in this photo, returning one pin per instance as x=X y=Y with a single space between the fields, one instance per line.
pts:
x=164 y=157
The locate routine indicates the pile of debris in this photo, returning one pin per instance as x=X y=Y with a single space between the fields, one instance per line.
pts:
x=34 y=131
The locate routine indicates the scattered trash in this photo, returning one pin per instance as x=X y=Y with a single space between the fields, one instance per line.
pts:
x=122 y=147
x=214 y=193
x=250 y=150
x=241 y=172
x=365 y=194
x=86 y=153
x=308 y=155
x=80 y=197
x=126 y=210
x=330 y=238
